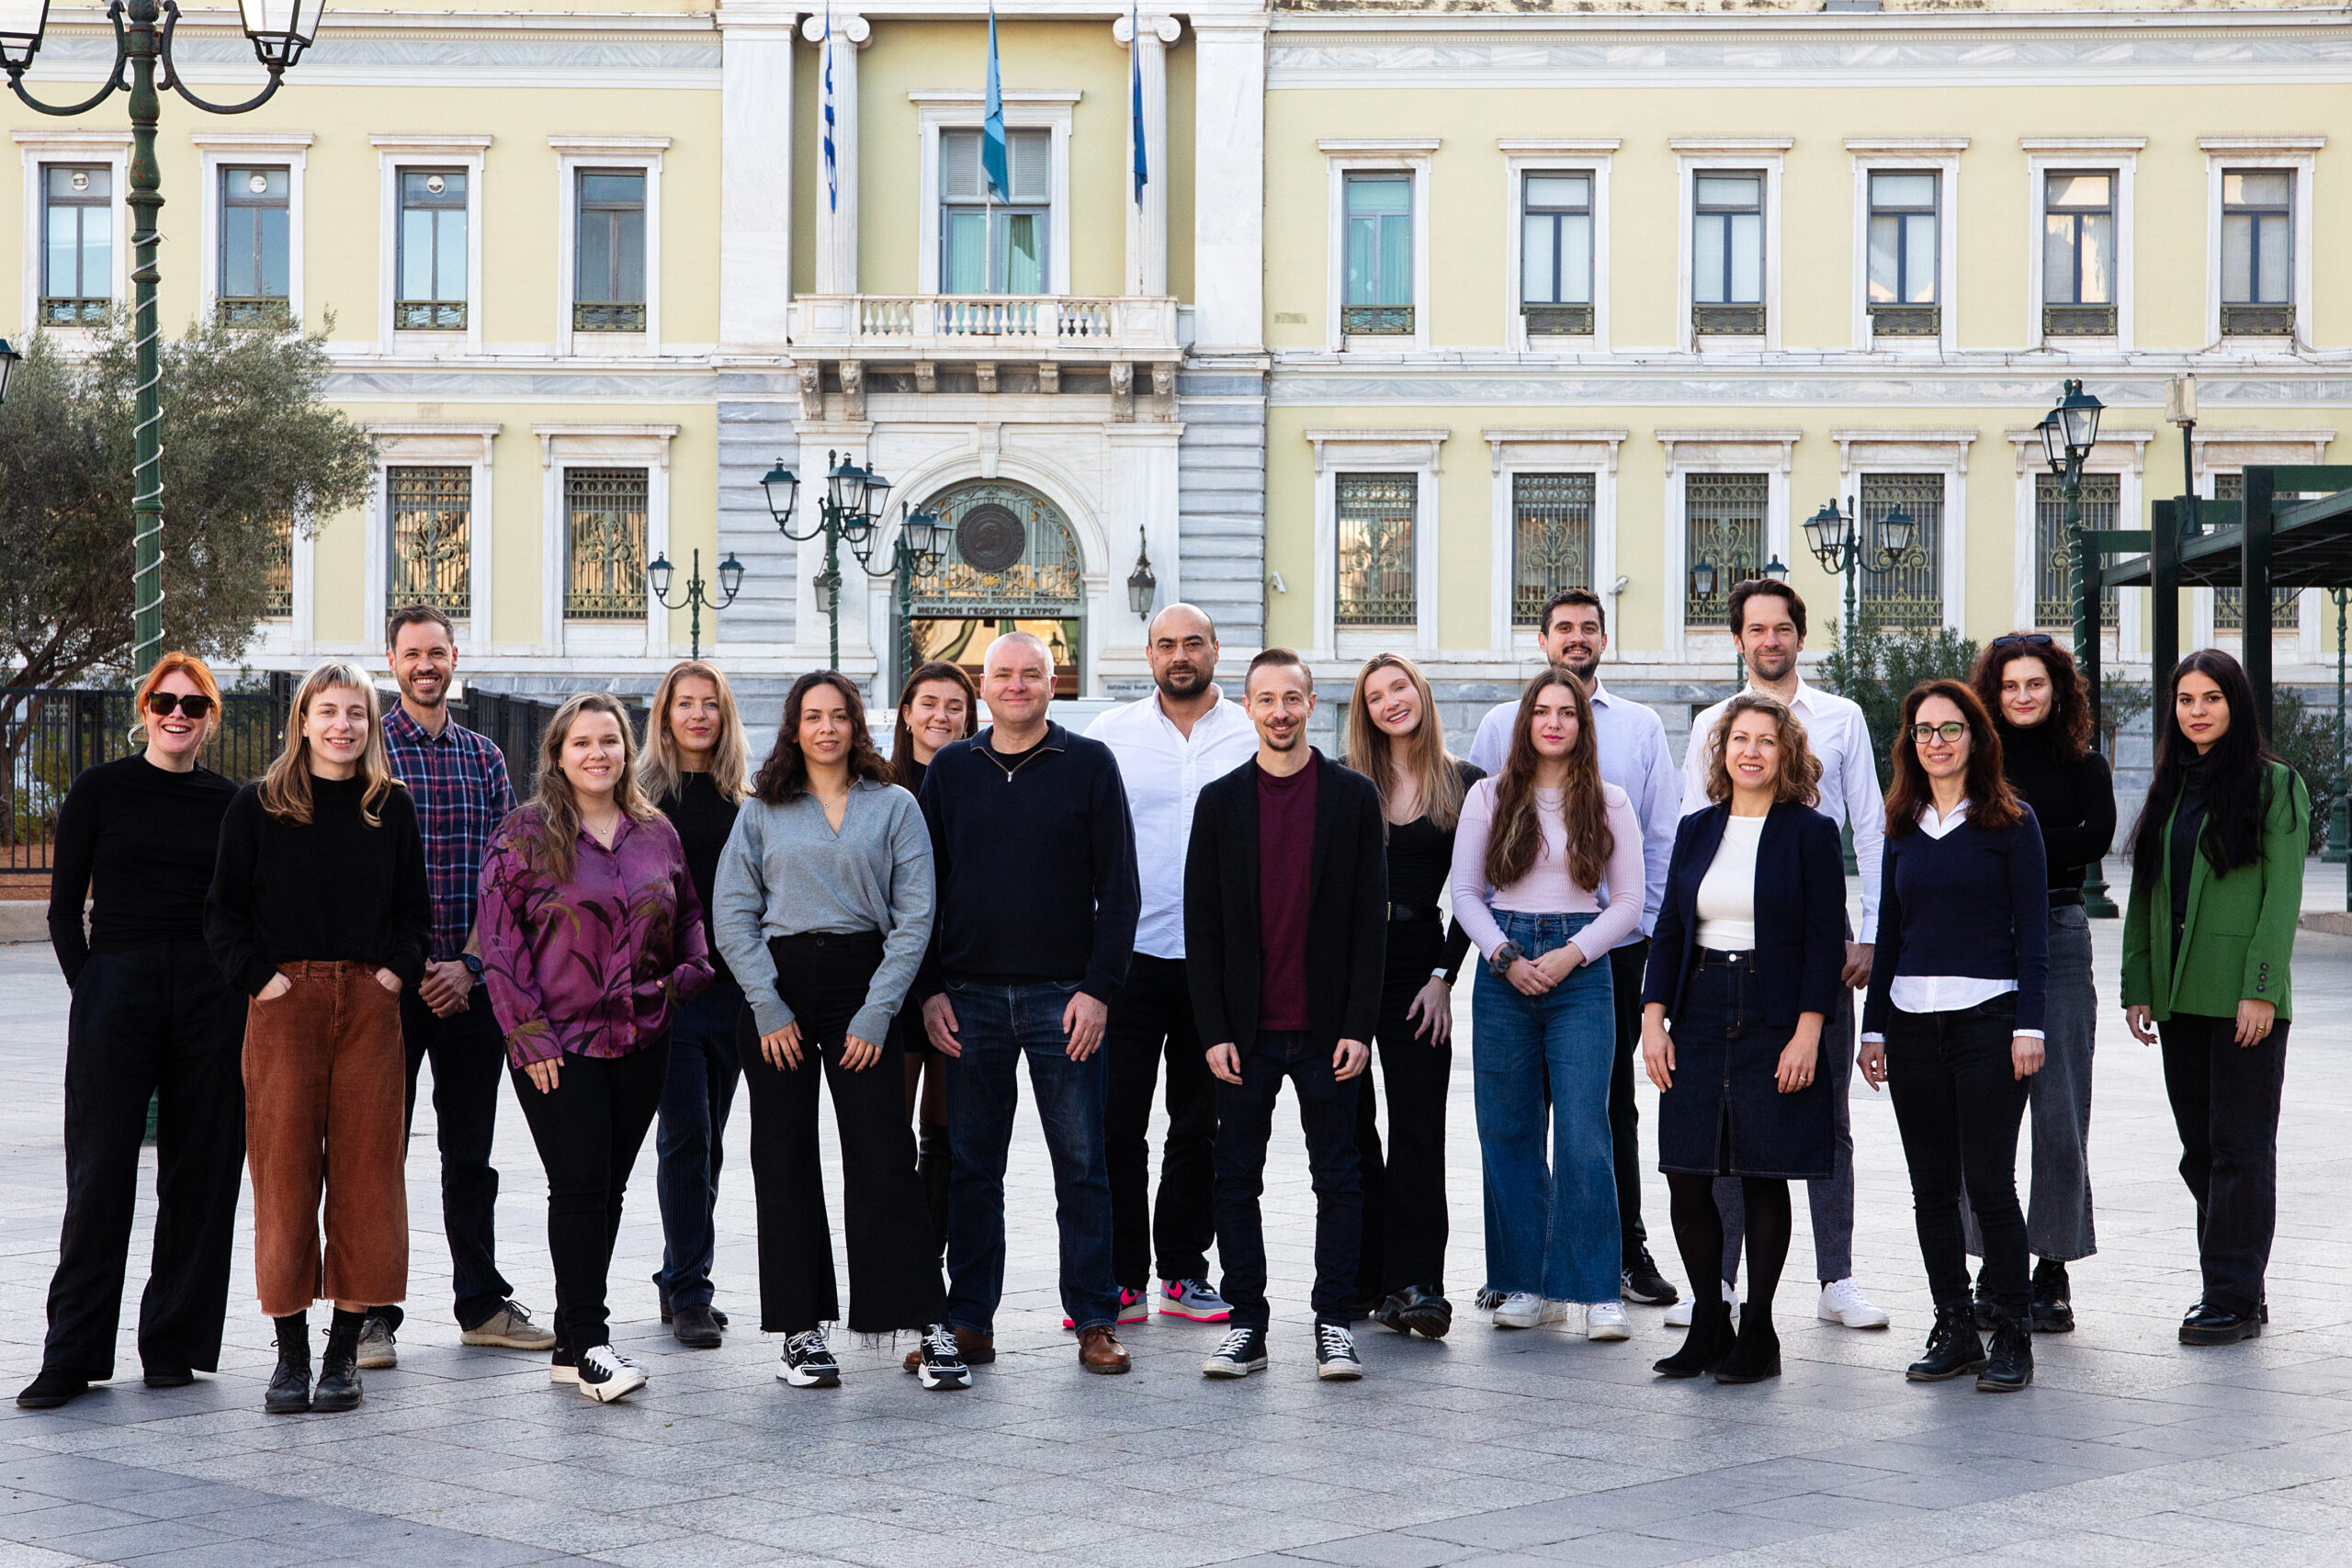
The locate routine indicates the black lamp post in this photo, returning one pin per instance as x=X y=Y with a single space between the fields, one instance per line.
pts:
x=1143 y=588
x=851 y=509
x=2068 y=432
x=730 y=583
x=2338 y=848
x=1838 y=542
x=280 y=31
x=1704 y=574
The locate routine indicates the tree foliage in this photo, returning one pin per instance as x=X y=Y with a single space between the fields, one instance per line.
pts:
x=2304 y=737
x=1877 y=668
x=247 y=442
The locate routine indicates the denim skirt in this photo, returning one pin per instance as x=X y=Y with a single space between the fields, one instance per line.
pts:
x=1725 y=1114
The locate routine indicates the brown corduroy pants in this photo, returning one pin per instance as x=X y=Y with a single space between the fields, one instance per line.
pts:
x=325 y=1095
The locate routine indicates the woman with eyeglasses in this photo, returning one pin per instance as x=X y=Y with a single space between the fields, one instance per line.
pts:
x=2217 y=887
x=1953 y=1021
x=150 y=1017
x=2041 y=712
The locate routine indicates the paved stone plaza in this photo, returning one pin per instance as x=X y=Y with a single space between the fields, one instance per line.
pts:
x=1489 y=1448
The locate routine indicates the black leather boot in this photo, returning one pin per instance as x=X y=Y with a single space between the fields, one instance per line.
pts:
x=289 y=1386
x=2009 y=1366
x=1416 y=1309
x=1953 y=1348
x=2054 y=1307
x=339 y=1369
x=1703 y=1349
x=1756 y=1354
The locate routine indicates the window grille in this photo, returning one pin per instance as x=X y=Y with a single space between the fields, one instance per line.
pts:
x=1723 y=526
x=2229 y=603
x=604 y=521
x=2054 y=581
x=432 y=538
x=1910 y=597
x=1550 y=540
x=1376 y=514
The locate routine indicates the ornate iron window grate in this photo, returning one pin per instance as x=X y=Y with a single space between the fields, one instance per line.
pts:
x=2229 y=603
x=1723 y=526
x=1376 y=320
x=1910 y=597
x=1551 y=518
x=1376 y=513
x=1559 y=321
x=1906 y=320
x=2054 y=580
x=605 y=516
x=278 y=577
x=2078 y=320
x=431 y=537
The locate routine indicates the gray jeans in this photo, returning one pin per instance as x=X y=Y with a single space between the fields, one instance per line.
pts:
x=2058 y=1216
x=1832 y=1197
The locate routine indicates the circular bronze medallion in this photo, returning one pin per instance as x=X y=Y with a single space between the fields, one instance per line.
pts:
x=989 y=537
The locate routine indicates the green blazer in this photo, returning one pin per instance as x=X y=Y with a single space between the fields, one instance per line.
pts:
x=2241 y=928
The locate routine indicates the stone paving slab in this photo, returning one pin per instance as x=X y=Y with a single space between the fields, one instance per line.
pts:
x=1487 y=1448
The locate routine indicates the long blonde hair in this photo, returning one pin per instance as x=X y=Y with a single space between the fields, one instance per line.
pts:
x=286 y=787
x=660 y=773
x=1516 y=837
x=1437 y=776
x=552 y=801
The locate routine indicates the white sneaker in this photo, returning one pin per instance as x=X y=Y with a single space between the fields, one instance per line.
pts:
x=1606 y=1320
x=1842 y=1302
x=606 y=1374
x=1678 y=1314
x=1525 y=1309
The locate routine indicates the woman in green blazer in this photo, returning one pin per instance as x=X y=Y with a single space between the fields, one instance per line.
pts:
x=2217 y=883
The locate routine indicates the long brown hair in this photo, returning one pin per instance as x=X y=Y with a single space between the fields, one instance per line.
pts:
x=731 y=756
x=2069 y=723
x=1437 y=776
x=1991 y=804
x=1800 y=778
x=785 y=775
x=902 y=738
x=556 y=854
x=286 y=787
x=1515 y=838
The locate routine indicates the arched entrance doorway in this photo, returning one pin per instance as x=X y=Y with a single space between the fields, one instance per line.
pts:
x=1012 y=562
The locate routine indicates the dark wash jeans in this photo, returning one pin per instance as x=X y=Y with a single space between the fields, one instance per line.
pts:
x=468 y=1057
x=1152 y=1015
x=1958 y=1104
x=996 y=1026
x=2225 y=1101
x=688 y=1139
x=1245 y=1122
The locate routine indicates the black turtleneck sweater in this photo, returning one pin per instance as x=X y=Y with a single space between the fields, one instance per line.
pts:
x=138 y=840
x=333 y=889
x=2074 y=801
x=703 y=818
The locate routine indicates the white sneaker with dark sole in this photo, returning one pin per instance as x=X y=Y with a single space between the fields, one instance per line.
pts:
x=1335 y=1354
x=606 y=1374
x=1243 y=1352
x=809 y=1363
x=942 y=1366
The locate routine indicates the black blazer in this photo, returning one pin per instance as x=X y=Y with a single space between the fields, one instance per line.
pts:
x=1800 y=912
x=1347 y=922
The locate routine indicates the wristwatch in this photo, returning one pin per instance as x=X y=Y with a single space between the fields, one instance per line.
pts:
x=1502 y=958
x=472 y=961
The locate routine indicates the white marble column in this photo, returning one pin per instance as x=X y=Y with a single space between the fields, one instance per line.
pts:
x=755 y=173
x=1228 y=184
x=1147 y=223
x=837 y=217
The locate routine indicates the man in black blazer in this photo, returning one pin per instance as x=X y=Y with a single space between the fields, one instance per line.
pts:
x=1285 y=936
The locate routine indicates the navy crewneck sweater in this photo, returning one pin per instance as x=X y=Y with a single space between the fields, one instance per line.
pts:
x=1974 y=903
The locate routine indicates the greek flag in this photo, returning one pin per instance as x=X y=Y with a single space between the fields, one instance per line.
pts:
x=1134 y=98
x=992 y=152
x=832 y=174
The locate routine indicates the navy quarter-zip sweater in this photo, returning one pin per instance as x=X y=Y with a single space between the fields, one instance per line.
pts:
x=1035 y=856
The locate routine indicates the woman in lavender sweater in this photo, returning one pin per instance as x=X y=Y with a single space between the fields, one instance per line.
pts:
x=592 y=936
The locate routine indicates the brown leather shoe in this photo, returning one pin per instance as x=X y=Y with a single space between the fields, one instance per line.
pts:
x=1099 y=1351
x=977 y=1349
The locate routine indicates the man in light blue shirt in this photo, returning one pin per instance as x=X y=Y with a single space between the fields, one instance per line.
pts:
x=1634 y=756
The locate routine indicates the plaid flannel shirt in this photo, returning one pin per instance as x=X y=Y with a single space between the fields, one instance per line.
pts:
x=459 y=782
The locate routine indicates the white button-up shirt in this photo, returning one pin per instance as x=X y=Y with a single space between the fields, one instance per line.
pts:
x=1834 y=727
x=1164 y=769
x=1634 y=756
x=1945 y=993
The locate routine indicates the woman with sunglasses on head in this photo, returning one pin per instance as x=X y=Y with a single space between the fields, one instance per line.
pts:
x=1954 y=1018
x=137 y=839
x=319 y=911
x=2041 y=712
x=2217 y=887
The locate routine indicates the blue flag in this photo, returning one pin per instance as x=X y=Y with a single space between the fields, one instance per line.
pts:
x=1134 y=96
x=833 y=175
x=992 y=151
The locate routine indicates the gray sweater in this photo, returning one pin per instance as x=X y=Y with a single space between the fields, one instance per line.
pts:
x=785 y=872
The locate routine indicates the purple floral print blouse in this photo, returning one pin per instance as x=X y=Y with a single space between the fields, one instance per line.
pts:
x=591 y=967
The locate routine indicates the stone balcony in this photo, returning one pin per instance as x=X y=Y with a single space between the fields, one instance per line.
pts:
x=926 y=343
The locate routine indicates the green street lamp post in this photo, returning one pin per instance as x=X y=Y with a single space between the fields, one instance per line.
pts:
x=1838 y=541
x=852 y=510
x=730 y=583
x=2068 y=432
x=2338 y=848
x=280 y=31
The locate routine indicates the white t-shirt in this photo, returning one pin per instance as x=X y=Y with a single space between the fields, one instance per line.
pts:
x=1727 y=892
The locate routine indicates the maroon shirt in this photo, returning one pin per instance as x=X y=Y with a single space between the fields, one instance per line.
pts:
x=1285 y=882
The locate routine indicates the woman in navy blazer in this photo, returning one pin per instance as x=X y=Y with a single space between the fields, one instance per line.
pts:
x=1750 y=943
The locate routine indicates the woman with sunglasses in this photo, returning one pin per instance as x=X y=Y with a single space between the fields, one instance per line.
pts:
x=1953 y=1022
x=151 y=1017
x=2041 y=712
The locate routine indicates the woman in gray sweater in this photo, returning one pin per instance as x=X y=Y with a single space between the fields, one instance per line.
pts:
x=822 y=909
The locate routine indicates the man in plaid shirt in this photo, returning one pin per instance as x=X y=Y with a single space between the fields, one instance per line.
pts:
x=459 y=782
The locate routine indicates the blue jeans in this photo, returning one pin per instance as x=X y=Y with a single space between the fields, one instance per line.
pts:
x=1554 y=1226
x=696 y=1100
x=997 y=1025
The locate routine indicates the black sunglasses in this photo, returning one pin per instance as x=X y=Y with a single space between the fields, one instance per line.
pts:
x=195 y=704
x=2024 y=639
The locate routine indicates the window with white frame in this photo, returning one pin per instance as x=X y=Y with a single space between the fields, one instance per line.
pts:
x=995 y=242
x=1905 y=252
x=1556 y=252
x=2257 y=252
x=2078 y=270
x=2054 y=550
x=609 y=240
x=256 y=244
x=1376 y=516
x=77 y=244
x=1727 y=252
x=434 y=256
x=1378 y=214
x=1551 y=528
x=604 y=528
x=430 y=512
x=1724 y=518
x=1908 y=596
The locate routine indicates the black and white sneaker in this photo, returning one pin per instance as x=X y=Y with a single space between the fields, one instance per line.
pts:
x=1243 y=1352
x=606 y=1374
x=941 y=1365
x=563 y=1367
x=1335 y=1353
x=1642 y=1282
x=808 y=1364
x=1489 y=1298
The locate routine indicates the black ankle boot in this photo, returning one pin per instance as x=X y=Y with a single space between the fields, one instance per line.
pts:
x=2009 y=1365
x=932 y=1163
x=289 y=1386
x=2054 y=1306
x=1953 y=1348
x=1756 y=1355
x=339 y=1371
x=1709 y=1342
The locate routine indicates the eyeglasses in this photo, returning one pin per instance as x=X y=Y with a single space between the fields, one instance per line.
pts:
x=195 y=704
x=2024 y=639
x=1946 y=732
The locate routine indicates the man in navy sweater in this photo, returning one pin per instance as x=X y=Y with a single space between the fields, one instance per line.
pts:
x=1036 y=857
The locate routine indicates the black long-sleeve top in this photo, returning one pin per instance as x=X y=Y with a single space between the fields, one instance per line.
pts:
x=1420 y=862
x=2072 y=801
x=138 y=841
x=703 y=818
x=334 y=890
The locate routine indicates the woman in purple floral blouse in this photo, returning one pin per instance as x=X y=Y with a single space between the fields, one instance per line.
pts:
x=592 y=935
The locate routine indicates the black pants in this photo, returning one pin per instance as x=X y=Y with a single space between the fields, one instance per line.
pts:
x=1245 y=1122
x=1404 y=1186
x=689 y=1141
x=2225 y=1101
x=467 y=1053
x=1959 y=1103
x=1627 y=964
x=1152 y=1015
x=589 y=1129
x=893 y=1268
x=156 y=1020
